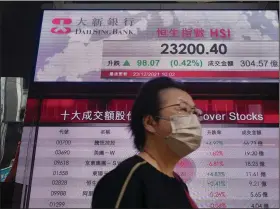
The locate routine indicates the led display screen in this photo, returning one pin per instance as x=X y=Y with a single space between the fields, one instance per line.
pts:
x=127 y=46
x=80 y=140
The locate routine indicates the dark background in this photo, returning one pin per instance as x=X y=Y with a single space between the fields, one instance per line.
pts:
x=19 y=37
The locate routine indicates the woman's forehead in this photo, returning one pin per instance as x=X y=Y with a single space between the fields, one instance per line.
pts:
x=175 y=96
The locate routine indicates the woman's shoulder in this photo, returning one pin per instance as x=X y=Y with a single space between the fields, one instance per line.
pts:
x=129 y=166
x=125 y=177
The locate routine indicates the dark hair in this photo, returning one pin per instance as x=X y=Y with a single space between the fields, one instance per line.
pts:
x=148 y=103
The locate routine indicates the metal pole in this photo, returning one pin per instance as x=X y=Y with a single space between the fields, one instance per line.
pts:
x=2 y=117
x=2 y=141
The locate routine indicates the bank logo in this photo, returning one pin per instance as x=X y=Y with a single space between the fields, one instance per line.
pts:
x=61 y=25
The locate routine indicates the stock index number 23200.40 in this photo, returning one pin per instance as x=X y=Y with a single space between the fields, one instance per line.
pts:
x=192 y=49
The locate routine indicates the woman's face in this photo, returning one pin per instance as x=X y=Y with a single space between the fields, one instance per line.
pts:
x=173 y=102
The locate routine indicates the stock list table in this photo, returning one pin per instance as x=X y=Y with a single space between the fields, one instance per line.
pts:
x=236 y=167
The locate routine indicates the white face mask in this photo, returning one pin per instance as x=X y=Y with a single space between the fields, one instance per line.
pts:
x=186 y=134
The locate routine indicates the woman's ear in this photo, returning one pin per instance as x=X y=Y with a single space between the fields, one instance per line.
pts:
x=149 y=124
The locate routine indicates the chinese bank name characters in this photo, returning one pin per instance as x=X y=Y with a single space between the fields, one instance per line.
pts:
x=112 y=25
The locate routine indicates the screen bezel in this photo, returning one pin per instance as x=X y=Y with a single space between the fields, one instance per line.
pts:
x=124 y=90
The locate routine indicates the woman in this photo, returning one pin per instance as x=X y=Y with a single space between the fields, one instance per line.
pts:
x=166 y=128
